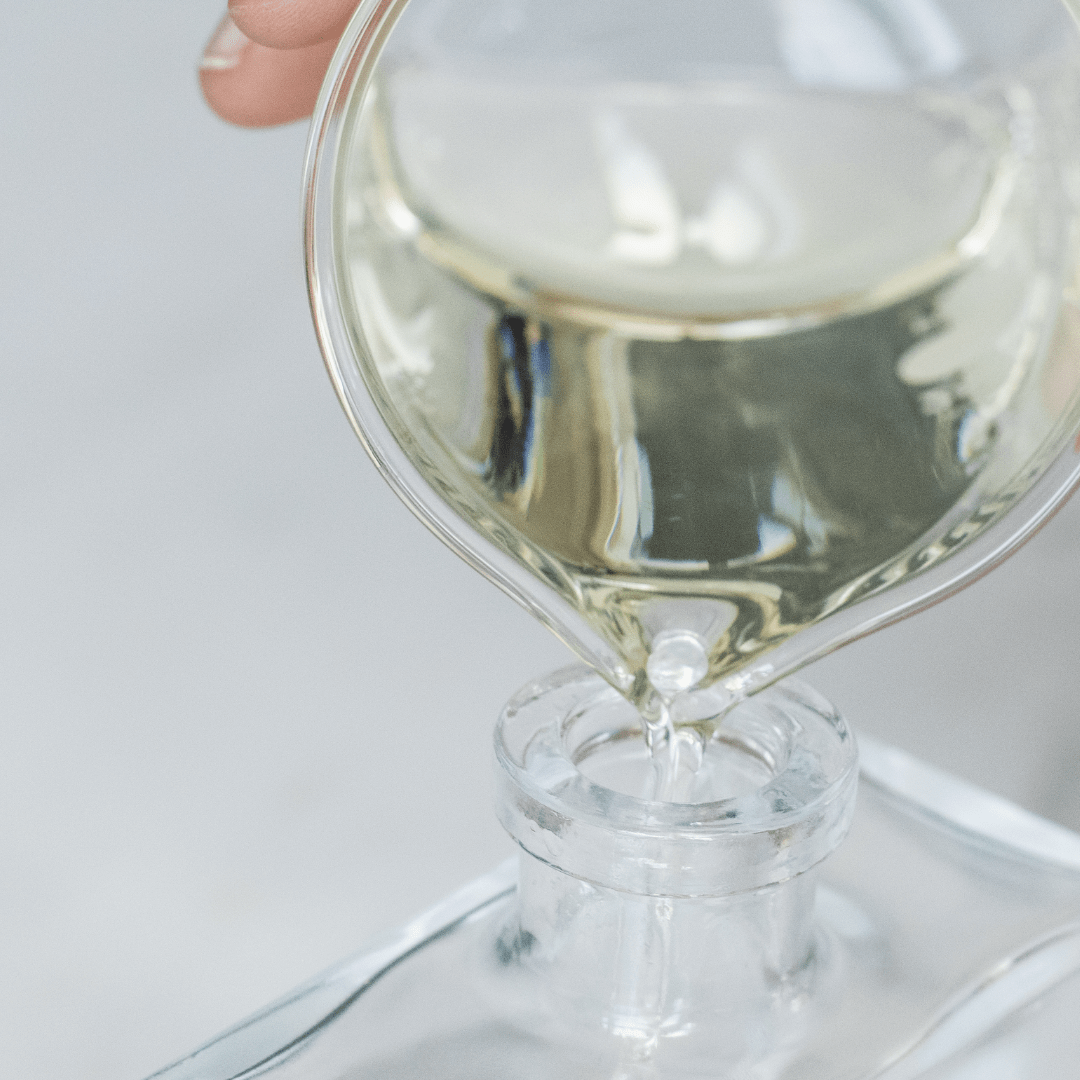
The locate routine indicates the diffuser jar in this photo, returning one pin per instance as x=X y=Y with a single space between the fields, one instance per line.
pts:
x=726 y=937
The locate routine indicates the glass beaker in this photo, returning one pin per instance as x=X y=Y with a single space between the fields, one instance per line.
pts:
x=746 y=328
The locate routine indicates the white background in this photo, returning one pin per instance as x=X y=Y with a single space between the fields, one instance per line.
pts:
x=245 y=700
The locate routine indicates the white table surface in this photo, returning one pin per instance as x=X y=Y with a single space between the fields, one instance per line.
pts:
x=245 y=700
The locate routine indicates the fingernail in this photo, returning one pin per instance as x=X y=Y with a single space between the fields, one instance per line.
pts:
x=225 y=47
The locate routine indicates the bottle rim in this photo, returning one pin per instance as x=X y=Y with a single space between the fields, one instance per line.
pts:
x=747 y=841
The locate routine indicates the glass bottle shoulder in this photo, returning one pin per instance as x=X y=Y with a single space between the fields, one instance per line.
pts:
x=946 y=945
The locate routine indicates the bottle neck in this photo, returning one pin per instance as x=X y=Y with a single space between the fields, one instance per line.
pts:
x=688 y=924
x=725 y=974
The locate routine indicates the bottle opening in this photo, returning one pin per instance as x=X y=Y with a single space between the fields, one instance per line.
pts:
x=716 y=759
x=768 y=789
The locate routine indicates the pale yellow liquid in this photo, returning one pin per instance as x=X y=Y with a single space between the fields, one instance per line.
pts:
x=697 y=378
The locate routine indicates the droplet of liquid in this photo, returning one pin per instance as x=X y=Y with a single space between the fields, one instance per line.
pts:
x=677 y=661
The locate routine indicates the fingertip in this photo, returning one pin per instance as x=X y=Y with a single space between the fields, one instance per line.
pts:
x=291 y=24
x=251 y=85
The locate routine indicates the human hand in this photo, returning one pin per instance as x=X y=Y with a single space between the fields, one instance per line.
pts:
x=266 y=60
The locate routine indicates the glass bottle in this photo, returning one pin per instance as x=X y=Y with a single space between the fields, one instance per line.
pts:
x=729 y=936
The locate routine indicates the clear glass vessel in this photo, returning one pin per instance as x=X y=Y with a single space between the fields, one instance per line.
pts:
x=738 y=329
x=717 y=333
x=725 y=937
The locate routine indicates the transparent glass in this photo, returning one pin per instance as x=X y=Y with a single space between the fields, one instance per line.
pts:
x=718 y=938
x=717 y=335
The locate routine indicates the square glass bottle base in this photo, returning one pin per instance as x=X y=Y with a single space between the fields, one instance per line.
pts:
x=711 y=940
